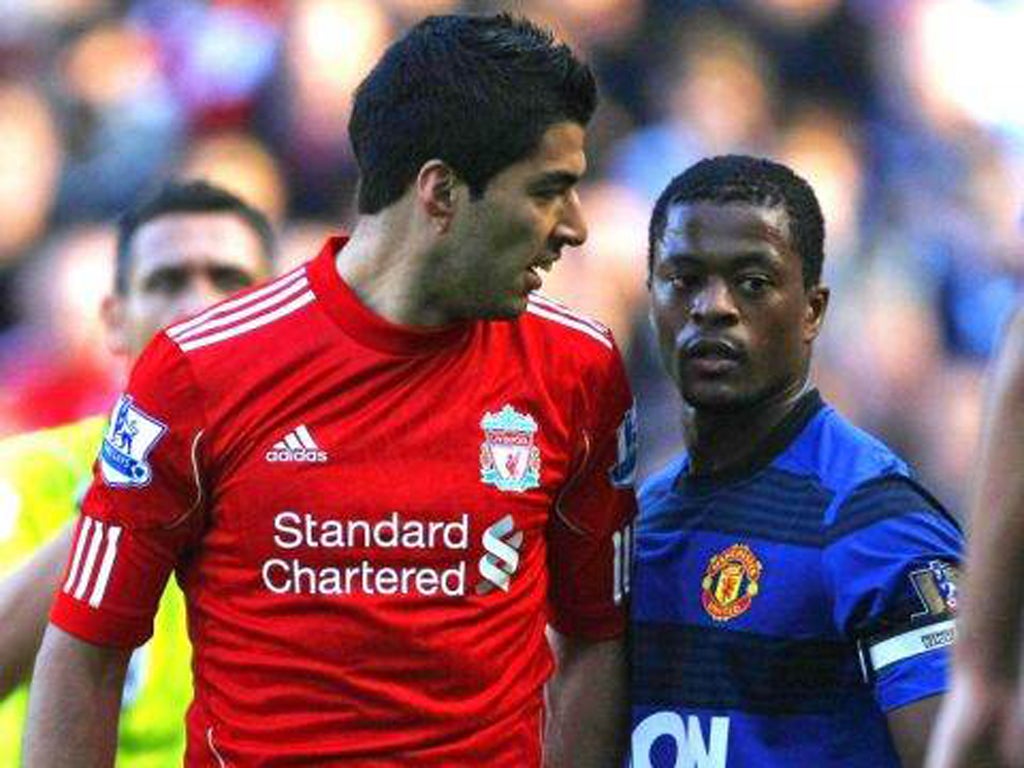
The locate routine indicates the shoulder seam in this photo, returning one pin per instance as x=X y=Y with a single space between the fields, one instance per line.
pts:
x=553 y=312
x=200 y=396
x=230 y=305
x=237 y=317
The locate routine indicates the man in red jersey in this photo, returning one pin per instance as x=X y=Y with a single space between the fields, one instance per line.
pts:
x=380 y=478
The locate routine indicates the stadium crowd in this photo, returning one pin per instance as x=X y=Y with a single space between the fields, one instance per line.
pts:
x=904 y=116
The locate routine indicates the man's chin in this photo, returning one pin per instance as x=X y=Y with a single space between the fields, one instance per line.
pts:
x=716 y=399
x=508 y=310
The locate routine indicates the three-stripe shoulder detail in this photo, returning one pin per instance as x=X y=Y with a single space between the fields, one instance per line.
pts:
x=88 y=565
x=545 y=308
x=235 y=317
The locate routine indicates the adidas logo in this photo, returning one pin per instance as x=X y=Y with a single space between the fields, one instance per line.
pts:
x=297 y=445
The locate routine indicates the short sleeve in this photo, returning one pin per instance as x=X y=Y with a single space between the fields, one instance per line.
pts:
x=142 y=509
x=590 y=536
x=892 y=564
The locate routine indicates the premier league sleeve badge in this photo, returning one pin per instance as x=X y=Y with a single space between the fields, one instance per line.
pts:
x=131 y=436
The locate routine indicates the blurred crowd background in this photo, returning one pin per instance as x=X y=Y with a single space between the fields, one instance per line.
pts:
x=907 y=116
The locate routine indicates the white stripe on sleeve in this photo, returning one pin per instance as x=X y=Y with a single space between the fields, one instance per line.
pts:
x=109 y=554
x=90 y=560
x=83 y=534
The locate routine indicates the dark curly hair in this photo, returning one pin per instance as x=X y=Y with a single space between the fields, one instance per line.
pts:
x=753 y=180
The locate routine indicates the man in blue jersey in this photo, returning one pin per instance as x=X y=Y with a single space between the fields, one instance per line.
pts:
x=795 y=587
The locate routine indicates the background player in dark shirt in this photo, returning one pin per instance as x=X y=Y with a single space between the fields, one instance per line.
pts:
x=794 y=586
x=982 y=722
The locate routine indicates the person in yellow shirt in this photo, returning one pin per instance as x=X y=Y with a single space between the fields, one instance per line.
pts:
x=188 y=246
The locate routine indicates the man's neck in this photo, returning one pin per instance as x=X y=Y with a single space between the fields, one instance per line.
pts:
x=390 y=270
x=725 y=440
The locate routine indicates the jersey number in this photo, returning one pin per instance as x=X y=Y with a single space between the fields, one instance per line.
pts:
x=622 y=563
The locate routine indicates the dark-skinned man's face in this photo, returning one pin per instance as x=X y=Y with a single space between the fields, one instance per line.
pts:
x=733 y=318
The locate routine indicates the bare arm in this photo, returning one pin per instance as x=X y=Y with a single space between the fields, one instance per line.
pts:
x=979 y=717
x=586 y=704
x=74 y=705
x=910 y=727
x=25 y=598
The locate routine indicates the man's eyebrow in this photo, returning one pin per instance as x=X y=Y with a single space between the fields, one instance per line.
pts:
x=165 y=269
x=757 y=258
x=681 y=257
x=556 y=179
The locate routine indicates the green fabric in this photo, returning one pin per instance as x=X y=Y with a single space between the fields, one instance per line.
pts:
x=41 y=477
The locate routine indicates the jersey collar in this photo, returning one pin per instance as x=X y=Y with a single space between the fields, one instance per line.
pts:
x=364 y=325
x=780 y=438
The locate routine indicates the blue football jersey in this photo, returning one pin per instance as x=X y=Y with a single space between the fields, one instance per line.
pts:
x=782 y=609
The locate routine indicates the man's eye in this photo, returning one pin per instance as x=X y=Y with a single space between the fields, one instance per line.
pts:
x=684 y=282
x=165 y=282
x=232 y=280
x=546 y=195
x=754 y=284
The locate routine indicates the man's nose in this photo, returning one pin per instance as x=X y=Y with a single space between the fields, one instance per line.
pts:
x=572 y=228
x=714 y=303
x=200 y=293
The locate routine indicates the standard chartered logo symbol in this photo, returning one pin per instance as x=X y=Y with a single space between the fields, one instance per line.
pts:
x=501 y=558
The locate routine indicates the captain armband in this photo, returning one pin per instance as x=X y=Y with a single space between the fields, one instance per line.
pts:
x=931 y=628
x=877 y=654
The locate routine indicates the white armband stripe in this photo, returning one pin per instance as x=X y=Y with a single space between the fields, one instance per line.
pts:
x=90 y=560
x=76 y=561
x=912 y=643
x=109 y=553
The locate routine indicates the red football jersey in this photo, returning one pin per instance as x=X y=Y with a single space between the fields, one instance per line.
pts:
x=372 y=524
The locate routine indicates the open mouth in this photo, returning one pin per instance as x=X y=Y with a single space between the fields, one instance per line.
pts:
x=533 y=279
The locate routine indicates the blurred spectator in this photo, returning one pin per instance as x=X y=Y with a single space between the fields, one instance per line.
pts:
x=820 y=48
x=241 y=164
x=215 y=56
x=714 y=96
x=30 y=160
x=822 y=144
x=979 y=263
x=55 y=365
x=948 y=425
x=121 y=126
x=329 y=47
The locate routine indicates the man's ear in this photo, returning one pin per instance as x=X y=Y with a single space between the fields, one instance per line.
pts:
x=817 y=305
x=112 y=312
x=435 y=190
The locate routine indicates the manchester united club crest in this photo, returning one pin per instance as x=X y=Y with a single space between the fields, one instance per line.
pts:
x=508 y=458
x=731 y=582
